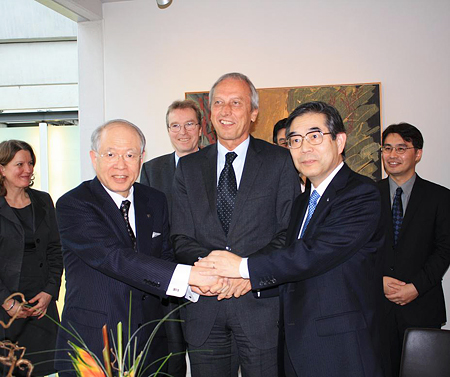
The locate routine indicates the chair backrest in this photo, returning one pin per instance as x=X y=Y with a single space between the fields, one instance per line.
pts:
x=426 y=353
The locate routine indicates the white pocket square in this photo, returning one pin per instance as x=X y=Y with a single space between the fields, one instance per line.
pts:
x=155 y=234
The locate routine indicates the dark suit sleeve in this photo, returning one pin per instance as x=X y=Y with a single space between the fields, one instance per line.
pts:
x=345 y=227
x=53 y=255
x=438 y=261
x=187 y=249
x=88 y=232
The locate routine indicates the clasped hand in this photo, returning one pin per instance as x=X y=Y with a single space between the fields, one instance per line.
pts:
x=398 y=291
x=222 y=269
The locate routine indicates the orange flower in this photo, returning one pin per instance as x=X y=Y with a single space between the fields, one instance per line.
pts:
x=84 y=364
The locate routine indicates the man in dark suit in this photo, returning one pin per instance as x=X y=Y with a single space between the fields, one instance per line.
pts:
x=183 y=120
x=114 y=235
x=241 y=204
x=417 y=240
x=330 y=273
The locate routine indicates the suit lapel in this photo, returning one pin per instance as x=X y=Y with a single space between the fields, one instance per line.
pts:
x=209 y=173
x=169 y=170
x=253 y=162
x=297 y=216
x=415 y=200
x=111 y=211
x=144 y=221
x=39 y=210
x=386 y=208
x=7 y=212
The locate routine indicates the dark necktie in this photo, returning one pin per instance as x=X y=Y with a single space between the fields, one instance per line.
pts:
x=124 y=208
x=226 y=192
x=397 y=213
x=313 y=199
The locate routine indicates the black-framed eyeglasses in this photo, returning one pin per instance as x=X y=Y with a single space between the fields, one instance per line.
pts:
x=189 y=126
x=295 y=141
x=387 y=149
x=112 y=157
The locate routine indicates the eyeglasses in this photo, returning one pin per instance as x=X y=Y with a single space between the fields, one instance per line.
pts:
x=128 y=157
x=189 y=126
x=399 y=150
x=295 y=141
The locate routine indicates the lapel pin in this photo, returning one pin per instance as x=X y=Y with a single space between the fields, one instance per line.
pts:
x=149 y=215
x=328 y=199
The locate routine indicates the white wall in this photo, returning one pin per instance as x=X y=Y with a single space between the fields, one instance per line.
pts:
x=153 y=56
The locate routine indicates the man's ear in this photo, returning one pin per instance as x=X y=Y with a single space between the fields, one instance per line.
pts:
x=341 y=139
x=254 y=115
x=94 y=157
x=418 y=155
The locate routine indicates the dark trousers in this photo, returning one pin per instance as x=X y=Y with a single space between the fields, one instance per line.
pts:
x=176 y=365
x=227 y=348
x=286 y=368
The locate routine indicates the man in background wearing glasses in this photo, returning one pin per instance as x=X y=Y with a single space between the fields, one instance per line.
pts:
x=330 y=273
x=417 y=249
x=183 y=121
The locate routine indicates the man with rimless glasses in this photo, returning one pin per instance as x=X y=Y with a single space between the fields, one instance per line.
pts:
x=183 y=121
x=417 y=246
x=329 y=274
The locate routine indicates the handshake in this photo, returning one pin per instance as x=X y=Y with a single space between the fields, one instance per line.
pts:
x=218 y=275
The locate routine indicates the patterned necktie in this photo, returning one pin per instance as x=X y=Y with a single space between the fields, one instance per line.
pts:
x=124 y=208
x=226 y=192
x=397 y=213
x=313 y=199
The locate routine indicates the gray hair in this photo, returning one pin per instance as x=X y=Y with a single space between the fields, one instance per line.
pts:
x=96 y=135
x=240 y=77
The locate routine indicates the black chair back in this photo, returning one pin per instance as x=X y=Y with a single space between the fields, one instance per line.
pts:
x=426 y=353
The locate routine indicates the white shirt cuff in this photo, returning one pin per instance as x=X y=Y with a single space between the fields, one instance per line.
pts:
x=179 y=284
x=243 y=268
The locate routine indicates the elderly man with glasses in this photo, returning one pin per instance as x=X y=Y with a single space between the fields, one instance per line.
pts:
x=329 y=273
x=117 y=256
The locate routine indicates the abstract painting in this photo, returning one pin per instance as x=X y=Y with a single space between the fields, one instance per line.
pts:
x=358 y=104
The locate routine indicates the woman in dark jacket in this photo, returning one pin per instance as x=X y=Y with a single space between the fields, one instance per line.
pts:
x=30 y=257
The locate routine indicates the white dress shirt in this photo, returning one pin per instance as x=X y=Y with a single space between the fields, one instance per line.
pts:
x=238 y=163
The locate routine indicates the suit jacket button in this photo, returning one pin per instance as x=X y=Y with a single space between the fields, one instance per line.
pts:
x=392 y=268
x=38 y=240
x=144 y=297
x=41 y=264
x=158 y=284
